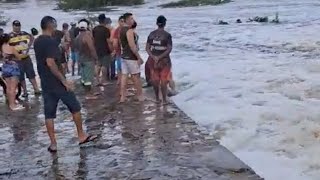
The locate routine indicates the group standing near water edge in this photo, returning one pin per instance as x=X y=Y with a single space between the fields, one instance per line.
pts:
x=102 y=54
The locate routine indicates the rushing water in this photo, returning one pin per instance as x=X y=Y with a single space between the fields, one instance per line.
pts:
x=255 y=86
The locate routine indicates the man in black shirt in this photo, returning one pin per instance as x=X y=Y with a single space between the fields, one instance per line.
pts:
x=55 y=86
x=103 y=45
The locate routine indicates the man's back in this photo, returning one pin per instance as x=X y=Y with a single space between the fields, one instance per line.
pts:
x=101 y=34
x=46 y=47
x=159 y=40
x=81 y=45
x=125 y=47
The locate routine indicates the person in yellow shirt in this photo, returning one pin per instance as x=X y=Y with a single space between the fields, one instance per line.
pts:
x=22 y=41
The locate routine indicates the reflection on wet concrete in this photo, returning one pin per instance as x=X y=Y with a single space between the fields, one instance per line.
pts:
x=136 y=141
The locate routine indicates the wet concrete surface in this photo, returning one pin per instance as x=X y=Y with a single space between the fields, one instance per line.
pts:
x=138 y=141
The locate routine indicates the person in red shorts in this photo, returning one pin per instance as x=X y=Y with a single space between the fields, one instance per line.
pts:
x=159 y=46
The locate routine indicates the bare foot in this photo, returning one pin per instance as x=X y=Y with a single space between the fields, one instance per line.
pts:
x=122 y=100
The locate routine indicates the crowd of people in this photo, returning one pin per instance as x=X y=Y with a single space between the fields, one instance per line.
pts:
x=101 y=54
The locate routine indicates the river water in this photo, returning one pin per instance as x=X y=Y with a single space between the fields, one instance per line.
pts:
x=256 y=87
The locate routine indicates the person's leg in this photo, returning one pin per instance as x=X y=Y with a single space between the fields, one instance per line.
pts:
x=10 y=92
x=106 y=73
x=88 y=74
x=19 y=87
x=4 y=86
x=31 y=75
x=119 y=74
x=70 y=100
x=98 y=70
x=134 y=70
x=50 y=108
x=113 y=68
x=73 y=62
x=155 y=81
x=22 y=78
x=123 y=81
x=164 y=80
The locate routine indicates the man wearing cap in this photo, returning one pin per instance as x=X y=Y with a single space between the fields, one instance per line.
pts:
x=103 y=45
x=23 y=42
x=74 y=54
x=87 y=58
x=159 y=46
x=131 y=59
x=54 y=84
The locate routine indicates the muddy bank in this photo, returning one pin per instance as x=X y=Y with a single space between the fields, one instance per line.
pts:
x=137 y=141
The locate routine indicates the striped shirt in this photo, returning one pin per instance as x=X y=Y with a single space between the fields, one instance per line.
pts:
x=21 y=42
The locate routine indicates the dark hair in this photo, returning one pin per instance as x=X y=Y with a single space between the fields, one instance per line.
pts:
x=161 y=21
x=34 y=31
x=46 y=21
x=121 y=18
x=134 y=25
x=4 y=38
x=126 y=16
x=102 y=18
x=65 y=25
x=85 y=20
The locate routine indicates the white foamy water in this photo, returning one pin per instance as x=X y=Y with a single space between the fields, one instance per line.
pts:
x=255 y=86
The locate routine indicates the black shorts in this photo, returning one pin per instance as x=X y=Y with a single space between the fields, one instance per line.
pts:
x=51 y=100
x=26 y=67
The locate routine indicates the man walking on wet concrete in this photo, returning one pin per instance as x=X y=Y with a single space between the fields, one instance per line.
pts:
x=87 y=58
x=159 y=46
x=54 y=84
x=131 y=59
x=103 y=45
x=23 y=42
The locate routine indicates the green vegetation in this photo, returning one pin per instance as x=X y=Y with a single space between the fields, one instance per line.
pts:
x=190 y=3
x=95 y=4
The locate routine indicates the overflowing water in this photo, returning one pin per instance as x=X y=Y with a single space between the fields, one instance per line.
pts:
x=256 y=87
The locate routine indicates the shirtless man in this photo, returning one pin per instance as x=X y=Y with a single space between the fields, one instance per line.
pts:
x=87 y=58
x=159 y=46
x=131 y=59
x=117 y=49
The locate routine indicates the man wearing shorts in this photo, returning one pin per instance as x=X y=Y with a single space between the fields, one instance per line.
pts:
x=159 y=46
x=55 y=86
x=87 y=58
x=22 y=42
x=103 y=45
x=131 y=59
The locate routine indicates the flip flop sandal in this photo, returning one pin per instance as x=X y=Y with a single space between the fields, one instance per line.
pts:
x=90 y=138
x=52 y=150
x=38 y=93
x=18 y=108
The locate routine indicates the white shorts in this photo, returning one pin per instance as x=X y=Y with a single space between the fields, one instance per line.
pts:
x=130 y=66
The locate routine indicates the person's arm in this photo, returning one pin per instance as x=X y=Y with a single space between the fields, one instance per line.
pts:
x=16 y=53
x=109 y=40
x=169 y=48
x=89 y=40
x=51 y=52
x=148 y=47
x=31 y=40
x=132 y=44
